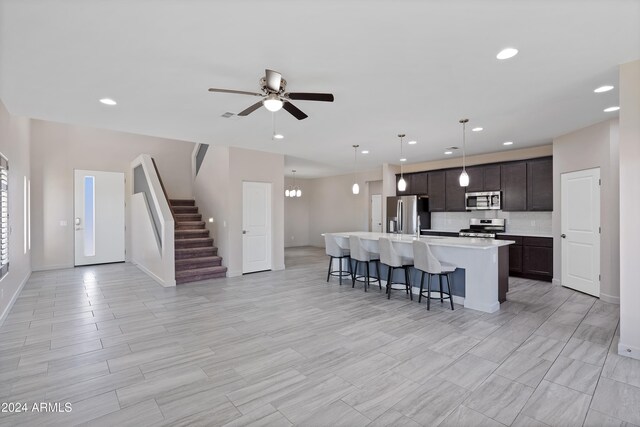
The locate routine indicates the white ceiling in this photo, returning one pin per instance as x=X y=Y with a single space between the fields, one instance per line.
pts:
x=394 y=66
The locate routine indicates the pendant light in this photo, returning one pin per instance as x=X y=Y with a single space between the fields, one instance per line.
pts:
x=402 y=184
x=464 y=177
x=356 y=188
x=295 y=191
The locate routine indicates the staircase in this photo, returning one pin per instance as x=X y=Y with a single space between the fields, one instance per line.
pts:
x=196 y=257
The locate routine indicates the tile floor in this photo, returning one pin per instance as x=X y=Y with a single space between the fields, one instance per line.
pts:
x=283 y=348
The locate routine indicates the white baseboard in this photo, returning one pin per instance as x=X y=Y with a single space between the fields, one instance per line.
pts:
x=13 y=299
x=628 y=351
x=53 y=267
x=154 y=277
x=610 y=298
x=556 y=282
x=234 y=273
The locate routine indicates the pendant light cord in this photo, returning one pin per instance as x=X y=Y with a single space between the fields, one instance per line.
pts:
x=464 y=143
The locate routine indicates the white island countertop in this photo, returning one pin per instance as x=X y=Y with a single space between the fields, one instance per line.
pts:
x=458 y=242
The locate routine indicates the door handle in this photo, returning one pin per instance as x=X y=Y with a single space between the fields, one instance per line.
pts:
x=564 y=236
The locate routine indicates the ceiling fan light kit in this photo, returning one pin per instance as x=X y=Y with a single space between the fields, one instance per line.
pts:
x=275 y=97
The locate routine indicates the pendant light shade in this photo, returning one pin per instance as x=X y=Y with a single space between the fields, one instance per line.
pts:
x=464 y=177
x=402 y=184
x=286 y=193
x=355 y=189
x=293 y=190
x=298 y=193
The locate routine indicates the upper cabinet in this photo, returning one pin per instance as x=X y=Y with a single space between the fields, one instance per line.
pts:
x=514 y=186
x=526 y=185
x=540 y=184
x=454 y=198
x=484 y=178
x=436 y=191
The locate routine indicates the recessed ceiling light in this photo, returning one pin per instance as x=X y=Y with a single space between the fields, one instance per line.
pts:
x=507 y=143
x=605 y=88
x=412 y=142
x=448 y=152
x=478 y=129
x=365 y=151
x=278 y=136
x=108 y=101
x=507 y=53
x=610 y=109
x=403 y=159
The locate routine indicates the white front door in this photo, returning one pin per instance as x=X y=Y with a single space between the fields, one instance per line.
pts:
x=580 y=228
x=99 y=217
x=376 y=213
x=256 y=226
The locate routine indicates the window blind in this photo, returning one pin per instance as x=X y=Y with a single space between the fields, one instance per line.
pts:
x=4 y=216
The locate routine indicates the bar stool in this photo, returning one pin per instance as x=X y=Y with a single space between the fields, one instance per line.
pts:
x=360 y=254
x=426 y=262
x=392 y=260
x=334 y=251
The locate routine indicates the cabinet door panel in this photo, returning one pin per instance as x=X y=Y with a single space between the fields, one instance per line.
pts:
x=515 y=259
x=454 y=200
x=436 y=191
x=538 y=260
x=514 y=186
x=492 y=178
x=476 y=179
x=540 y=185
x=420 y=183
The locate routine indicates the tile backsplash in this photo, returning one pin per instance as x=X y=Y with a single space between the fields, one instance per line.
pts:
x=517 y=222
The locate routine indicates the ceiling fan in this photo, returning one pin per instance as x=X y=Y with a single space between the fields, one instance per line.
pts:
x=274 y=96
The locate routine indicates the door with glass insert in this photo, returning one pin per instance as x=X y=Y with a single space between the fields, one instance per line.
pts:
x=98 y=217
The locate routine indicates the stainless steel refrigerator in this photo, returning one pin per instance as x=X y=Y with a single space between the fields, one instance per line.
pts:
x=408 y=214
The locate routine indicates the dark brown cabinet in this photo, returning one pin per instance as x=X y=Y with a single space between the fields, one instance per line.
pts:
x=530 y=257
x=454 y=198
x=540 y=185
x=514 y=186
x=484 y=178
x=420 y=183
x=436 y=191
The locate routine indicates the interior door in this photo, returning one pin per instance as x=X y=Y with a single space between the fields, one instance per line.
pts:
x=580 y=228
x=98 y=217
x=376 y=213
x=256 y=226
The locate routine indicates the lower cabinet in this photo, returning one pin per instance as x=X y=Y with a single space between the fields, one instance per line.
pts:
x=530 y=257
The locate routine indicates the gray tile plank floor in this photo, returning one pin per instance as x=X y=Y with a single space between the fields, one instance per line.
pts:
x=286 y=348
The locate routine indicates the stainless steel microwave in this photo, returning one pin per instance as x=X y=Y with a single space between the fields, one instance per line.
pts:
x=483 y=200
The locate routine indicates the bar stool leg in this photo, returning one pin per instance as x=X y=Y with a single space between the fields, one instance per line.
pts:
x=408 y=282
x=329 y=271
x=340 y=261
x=389 y=278
x=440 y=281
x=355 y=274
x=429 y=291
x=378 y=271
x=421 y=286
x=350 y=266
x=449 y=288
x=366 y=279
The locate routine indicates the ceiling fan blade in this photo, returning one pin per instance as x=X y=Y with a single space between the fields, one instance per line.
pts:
x=304 y=96
x=239 y=92
x=273 y=79
x=295 y=111
x=251 y=109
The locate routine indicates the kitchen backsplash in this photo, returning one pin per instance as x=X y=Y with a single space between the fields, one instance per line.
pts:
x=516 y=222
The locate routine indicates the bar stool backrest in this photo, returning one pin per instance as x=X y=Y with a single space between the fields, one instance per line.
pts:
x=332 y=247
x=357 y=251
x=423 y=258
x=388 y=254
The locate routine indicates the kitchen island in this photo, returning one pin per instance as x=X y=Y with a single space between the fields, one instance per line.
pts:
x=485 y=263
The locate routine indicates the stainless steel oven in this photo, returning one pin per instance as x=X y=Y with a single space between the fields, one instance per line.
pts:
x=483 y=200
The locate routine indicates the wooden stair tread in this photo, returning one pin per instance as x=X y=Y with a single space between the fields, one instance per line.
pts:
x=200 y=271
x=182 y=202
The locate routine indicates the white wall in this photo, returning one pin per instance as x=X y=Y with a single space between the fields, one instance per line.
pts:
x=15 y=146
x=333 y=206
x=629 y=344
x=218 y=193
x=296 y=215
x=588 y=148
x=57 y=149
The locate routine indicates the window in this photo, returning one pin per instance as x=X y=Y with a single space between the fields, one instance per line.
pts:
x=4 y=216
